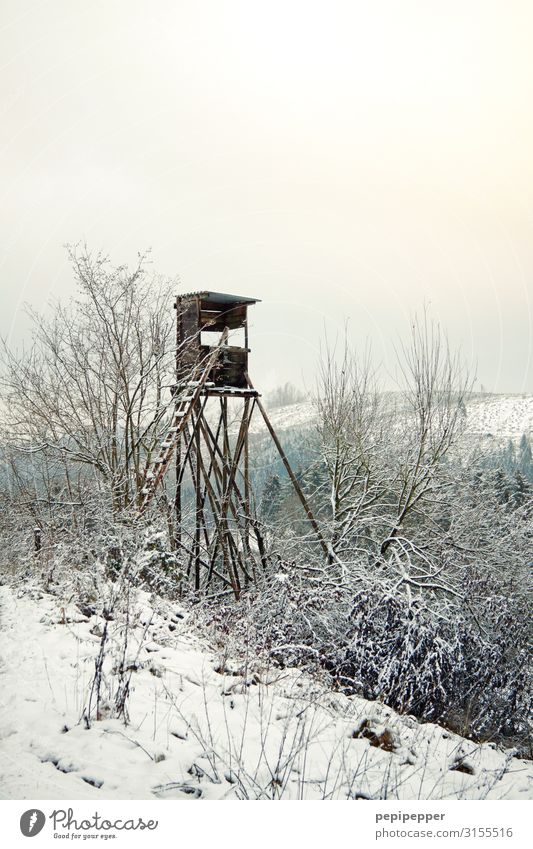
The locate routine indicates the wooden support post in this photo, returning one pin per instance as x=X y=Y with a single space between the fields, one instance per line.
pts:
x=292 y=476
x=227 y=553
x=177 y=495
x=247 y=415
x=199 y=512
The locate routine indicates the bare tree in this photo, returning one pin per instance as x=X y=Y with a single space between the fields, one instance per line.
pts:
x=384 y=453
x=435 y=387
x=351 y=419
x=93 y=388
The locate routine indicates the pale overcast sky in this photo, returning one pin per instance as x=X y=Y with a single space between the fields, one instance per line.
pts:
x=338 y=160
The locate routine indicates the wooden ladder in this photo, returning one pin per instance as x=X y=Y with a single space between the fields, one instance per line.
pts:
x=184 y=405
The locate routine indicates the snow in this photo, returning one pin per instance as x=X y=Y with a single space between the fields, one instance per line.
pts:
x=207 y=726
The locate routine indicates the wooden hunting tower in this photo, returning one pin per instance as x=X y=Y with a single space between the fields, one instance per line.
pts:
x=201 y=315
x=213 y=401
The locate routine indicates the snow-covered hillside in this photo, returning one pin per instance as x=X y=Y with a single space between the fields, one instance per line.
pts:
x=498 y=417
x=204 y=726
x=291 y=417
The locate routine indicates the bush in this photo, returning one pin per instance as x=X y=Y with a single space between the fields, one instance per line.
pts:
x=436 y=663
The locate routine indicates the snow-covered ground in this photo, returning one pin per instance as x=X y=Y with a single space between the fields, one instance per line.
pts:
x=203 y=726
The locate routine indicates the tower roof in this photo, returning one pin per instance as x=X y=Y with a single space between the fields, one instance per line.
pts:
x=219 y=297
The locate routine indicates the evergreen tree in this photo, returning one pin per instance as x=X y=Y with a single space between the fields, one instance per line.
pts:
x=272 y=497
x=521 y=490
x=525 y=457
x=502 y=487
x=509 y=457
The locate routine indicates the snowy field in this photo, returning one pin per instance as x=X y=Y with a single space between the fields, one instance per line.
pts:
x=204 y=726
